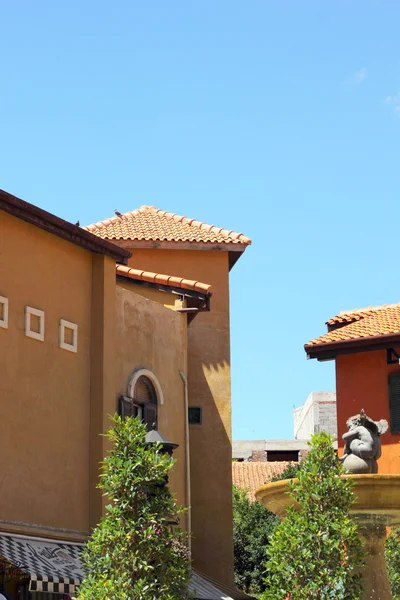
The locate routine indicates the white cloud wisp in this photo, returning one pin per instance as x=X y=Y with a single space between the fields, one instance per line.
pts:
x=394 y=101
x=360 y=76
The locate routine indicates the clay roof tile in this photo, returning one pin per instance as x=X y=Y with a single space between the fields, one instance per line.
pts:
x=373 y=321
x=148 y=276
x=162 y=279
x=201 y=287
x=252 y=475
x=153 y=224
x=175 y=281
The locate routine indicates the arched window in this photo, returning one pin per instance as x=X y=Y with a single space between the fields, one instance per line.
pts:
x=144 y=396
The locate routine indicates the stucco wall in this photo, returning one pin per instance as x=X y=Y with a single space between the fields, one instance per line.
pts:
x=362 y=382
x=164 y=298
x=150 y=336
x=44 y=390
x=210 y=388
x=103 y=375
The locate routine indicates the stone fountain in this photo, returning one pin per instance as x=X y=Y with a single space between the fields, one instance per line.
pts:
x=377 y=504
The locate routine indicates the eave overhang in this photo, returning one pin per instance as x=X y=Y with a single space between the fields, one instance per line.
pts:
x=52 y=224
x=330 y=350
x=195 y=301
x=235 y=251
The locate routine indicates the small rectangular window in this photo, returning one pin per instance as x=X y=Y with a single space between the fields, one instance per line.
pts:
x=195 y=415
x=282 y=455
x=394 y=402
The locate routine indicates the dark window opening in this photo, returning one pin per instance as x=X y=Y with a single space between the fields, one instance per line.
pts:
x=394 y=402
x=195 y=415
x=143 y=404
x=282 y=455
x=127 y=408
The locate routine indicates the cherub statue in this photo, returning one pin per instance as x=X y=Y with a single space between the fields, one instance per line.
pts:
x=362 y=444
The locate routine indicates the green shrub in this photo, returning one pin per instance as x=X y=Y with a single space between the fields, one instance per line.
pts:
x=288 y=472
x=392 y=554
x=314 y=552
x=252 y=527
x=134 y=553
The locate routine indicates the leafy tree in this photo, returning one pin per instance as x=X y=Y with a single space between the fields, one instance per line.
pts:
x=252 y=527
x=134 y=553
x=392 y=555
x=315 y=550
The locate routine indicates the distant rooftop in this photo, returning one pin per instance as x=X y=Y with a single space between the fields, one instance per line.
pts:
x=252 y=475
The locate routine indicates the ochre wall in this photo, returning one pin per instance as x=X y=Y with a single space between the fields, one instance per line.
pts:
x=209 y=387
x=150 y=336
x=54 y=403
x=164 y=298
x=103 y=375
x=44 y=390
x=362 y=382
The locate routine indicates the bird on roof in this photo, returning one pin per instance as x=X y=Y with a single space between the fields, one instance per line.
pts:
x=118 y=213
x=77 y=224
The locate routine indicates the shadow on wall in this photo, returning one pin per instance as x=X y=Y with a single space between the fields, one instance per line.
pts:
x=211 y=470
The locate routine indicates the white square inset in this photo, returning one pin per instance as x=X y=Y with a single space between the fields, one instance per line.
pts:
x=66 y=327
x=35 y=331
x=3 y=312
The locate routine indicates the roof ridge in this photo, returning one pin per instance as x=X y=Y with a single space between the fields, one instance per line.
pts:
x=368 y=308
x=110 y=220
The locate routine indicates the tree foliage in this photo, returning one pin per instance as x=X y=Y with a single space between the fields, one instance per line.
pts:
x=252 y=527
x=314 y=552
x=134 y=553
x=392 y=555
x=288 y=472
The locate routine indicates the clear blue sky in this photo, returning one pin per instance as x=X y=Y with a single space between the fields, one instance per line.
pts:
x=277 y=119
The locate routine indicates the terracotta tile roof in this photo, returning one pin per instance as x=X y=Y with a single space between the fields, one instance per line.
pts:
x=362 y=323
x=348 y=316
x=252 y=475
x=168 y=280
x=152 y=224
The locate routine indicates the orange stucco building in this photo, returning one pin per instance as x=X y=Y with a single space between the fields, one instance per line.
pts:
x=128 y=314
x=365 y=345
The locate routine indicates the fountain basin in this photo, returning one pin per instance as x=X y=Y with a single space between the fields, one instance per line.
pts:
x=377 y=506
x=377 y=495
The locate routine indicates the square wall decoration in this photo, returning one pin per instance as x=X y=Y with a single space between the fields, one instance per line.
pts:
x=3 y=312
x=68 y=336
x=34 y=323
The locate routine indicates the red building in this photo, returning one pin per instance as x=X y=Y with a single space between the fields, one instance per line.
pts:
x=365 y=345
